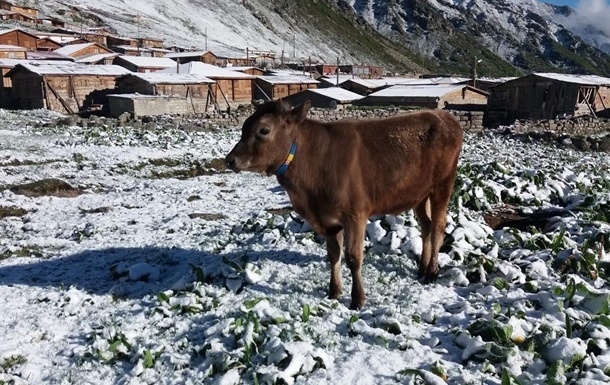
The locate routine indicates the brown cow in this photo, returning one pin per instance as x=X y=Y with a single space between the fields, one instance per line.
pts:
x=338 y=174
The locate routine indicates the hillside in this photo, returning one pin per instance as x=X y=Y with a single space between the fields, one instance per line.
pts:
x=511 y=37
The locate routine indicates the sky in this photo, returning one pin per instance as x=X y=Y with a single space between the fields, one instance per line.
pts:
x=571 y=3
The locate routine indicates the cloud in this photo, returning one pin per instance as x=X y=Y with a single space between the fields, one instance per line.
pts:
x=594 y=12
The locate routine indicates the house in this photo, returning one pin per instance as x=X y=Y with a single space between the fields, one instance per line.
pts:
x=333 y=98
x=18 y=37
x=363 y=71
x=327 y=81
x=80 y=51
x=182 y=93
x=231 y=88
x=193 y=56
x=100 y=58
x=368 y=86
x=9 y=6
x=65 y=88
x=48 y=44
x=250 y=70
x=158 y=52
x=16 y=16
x=47 y=55
x=459 y=97
x=128 y=50
x=117 y=41
x=92 y=37
x=546 y=96
x=326 y=69
x=275 y=87
x=6 y=85
x=12 y=52
x=144 y=64
x=150 y=42
x=51 y=22
x=59 y=38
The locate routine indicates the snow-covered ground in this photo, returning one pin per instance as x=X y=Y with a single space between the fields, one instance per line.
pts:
x=147 y=278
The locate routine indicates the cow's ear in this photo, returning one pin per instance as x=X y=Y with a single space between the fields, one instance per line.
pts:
x=282 y=106
x=299 y=113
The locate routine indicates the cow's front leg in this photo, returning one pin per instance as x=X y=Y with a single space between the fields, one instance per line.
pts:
x=354 y=245
x=334 y=249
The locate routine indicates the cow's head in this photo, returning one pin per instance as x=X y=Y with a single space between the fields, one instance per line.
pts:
x=266 y=137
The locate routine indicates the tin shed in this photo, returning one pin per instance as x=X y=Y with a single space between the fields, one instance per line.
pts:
x=66 y=88
x=547 y=95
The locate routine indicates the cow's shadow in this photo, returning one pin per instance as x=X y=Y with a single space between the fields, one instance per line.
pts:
x=106 y=271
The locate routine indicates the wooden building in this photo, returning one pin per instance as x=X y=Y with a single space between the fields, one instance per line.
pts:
x=51 y=22
x=117 y=41
x=16 y=16
x=9 y=6
x=333 y=98
x=144 y=64
x=546 y=96
x=128 y=50
x=100 y=58
x=230 y=89
x=98 y=38
x=150 y=42
x=195 y=88
x=79 y=51
x=458 y=97
x=159 y=52
x=18 y=37
x=326 y=69
x=363 y=71
x=12 y=52
x=48 y=44
x=275 y=87
x=65 y=88
x=194 y=56
x=254 y=71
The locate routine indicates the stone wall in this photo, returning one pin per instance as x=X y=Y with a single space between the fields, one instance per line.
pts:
x=575 y=126
x=469 y=120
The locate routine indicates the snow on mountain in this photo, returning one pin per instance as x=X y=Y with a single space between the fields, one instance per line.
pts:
x=230 y=25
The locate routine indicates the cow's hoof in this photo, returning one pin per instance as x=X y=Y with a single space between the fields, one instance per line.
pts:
x=430 y=277
x=334 y=294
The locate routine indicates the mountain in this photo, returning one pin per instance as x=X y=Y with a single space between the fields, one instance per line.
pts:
x=509 y=37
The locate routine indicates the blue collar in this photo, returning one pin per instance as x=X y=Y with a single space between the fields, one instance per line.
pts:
x=282 y=169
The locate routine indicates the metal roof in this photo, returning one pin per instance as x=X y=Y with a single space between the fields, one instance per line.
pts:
x=433 y=91
x=172 y=78
x=288 y=80
x=337 y=93
x=95 y=57
x=207 y=70
x=10 y=63
x=577 y=79
x=142 y=61
x=72 y=48
x=72 y=69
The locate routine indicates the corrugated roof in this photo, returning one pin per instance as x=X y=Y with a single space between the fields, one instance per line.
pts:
x=73 y=69
x=185 y=54
x=288 y=80
x=96 y=57
x=207 y=70
x=337 y=93
x=416 y=91
x=72 y=48
x=156 y=62
x=10 y=63
x=172 y=78
x=332 y=79
x=578 y=79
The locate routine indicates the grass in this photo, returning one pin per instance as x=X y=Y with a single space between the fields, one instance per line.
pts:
x=11 y=362
x=46 y=187
x=26 y=251
x=8 y=211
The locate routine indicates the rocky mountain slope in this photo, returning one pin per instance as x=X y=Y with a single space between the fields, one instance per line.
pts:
x=510 y=36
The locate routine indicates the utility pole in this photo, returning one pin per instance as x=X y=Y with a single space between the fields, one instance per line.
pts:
x=474 y=72
x=337 y=71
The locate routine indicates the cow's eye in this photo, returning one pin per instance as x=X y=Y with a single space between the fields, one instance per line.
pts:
x=264 y=131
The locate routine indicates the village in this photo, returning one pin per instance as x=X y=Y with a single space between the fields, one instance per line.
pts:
x=93 y=71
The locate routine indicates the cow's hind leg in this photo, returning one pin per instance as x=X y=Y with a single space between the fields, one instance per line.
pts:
x=354 y=254
x=423 y=214
x=334 y=248
x=439 y=202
